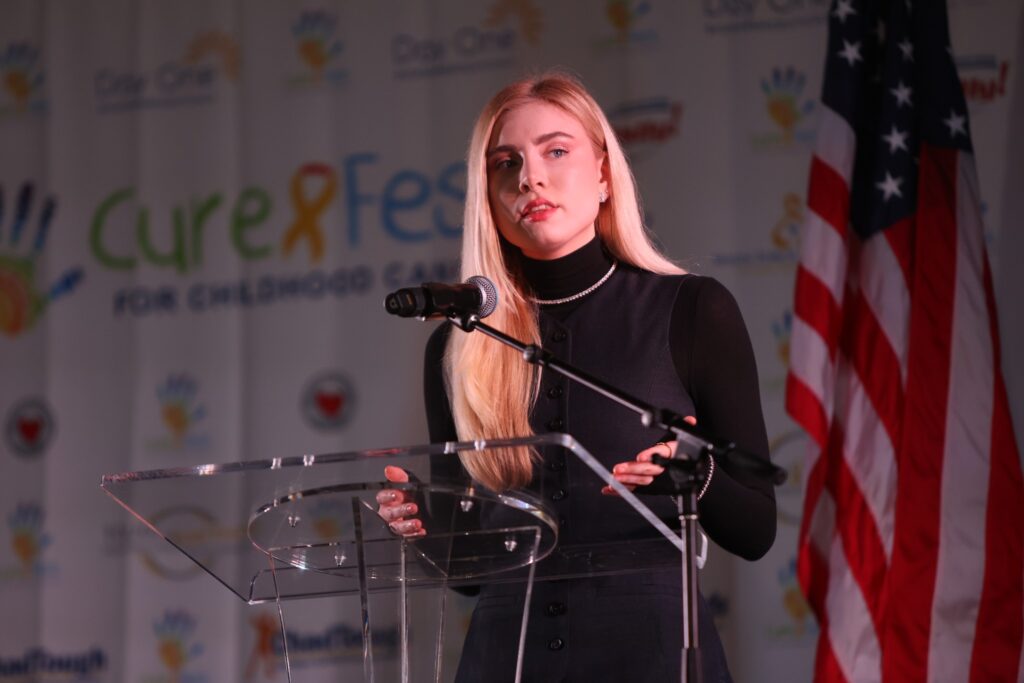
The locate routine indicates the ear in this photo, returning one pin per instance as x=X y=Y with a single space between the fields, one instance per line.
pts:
x=605 y=175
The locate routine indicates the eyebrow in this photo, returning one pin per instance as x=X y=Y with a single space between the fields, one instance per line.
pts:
x=536 y=141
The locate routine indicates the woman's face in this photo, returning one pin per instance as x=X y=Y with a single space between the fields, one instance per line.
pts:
x=544 y=180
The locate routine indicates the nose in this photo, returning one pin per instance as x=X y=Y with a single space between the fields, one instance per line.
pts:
x=531 y=176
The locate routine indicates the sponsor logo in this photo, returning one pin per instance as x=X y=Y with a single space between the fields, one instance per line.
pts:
x=29 y=427
x=645 y=125
x=732 y=16
x=799 y=620
x=319 y=49
x=630 y=22
x=180 y=411
x=39 y=665
x=335 y=643
x=983 y=77
x=29 y=541
x=788 y=107
x=21 y=79
x=410 y=207
x=782 y=331
x=177 y=649
x=23 y=238
x=194 y=77
x=328 y=401
x=193 y=529
x=489 y=44
x=789 y=451
x=782 y=249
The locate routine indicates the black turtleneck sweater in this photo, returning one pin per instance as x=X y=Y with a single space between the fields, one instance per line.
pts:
x=714 y=362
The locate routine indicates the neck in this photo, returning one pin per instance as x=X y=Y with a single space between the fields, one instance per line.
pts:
x=569 y=274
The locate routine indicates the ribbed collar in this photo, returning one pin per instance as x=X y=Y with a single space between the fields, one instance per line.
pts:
x=568 y=275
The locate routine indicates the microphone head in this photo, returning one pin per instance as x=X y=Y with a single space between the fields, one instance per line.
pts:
x=488 y=294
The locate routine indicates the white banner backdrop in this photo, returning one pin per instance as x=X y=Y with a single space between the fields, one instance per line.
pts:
x=202 y=205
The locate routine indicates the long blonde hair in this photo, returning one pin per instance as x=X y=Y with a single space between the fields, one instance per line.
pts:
x=491 y=388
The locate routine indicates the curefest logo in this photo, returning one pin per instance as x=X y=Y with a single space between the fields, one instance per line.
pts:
x=788 y=106
x=21 y=79
x=177 y=649
x=28 y=541
x=193 y=77
x=410 y=206
x=37 y=665
x=318 y=48
x=24 y=232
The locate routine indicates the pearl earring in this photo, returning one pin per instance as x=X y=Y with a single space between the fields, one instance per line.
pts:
x=603 y=196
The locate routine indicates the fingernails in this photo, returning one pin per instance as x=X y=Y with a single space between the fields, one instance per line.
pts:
x=407 y=526
x=409 y=509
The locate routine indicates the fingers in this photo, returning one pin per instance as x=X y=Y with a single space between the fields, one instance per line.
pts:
x=396 y=474
x=395 y=507
x=395 y=513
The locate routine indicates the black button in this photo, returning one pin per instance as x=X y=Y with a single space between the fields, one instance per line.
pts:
x=558 y=495
x=556 y=465
x=556 y=609
x=555 y=392
x=555 y=424
x=559 y=336
x=556 y=644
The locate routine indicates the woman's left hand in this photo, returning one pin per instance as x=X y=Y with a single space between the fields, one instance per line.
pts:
x=641 y=471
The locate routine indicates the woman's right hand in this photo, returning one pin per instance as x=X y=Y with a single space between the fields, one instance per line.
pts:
x=397 y=508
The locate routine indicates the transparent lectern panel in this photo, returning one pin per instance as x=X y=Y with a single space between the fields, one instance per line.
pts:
x=307 y=526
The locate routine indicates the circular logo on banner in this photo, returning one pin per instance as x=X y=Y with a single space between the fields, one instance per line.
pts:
x=328 y=401
x=29 y=427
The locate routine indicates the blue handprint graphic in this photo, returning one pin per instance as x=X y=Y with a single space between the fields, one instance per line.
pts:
x=21 y=301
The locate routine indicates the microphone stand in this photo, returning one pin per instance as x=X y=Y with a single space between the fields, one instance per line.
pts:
x=683 y=471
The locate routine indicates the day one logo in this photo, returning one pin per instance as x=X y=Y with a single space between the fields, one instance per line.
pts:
x=318 y=48
x=490 y=44
x=29 y=427
x=180 y=412
x=21 y=79
x=983 y=77
x=643 y=125
x=328 y=401
x=193 y=78
x=26 y=523
x=23 y=237
x=788 y=107
x=177 y=648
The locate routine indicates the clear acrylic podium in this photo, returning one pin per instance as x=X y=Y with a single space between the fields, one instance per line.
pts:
x=307 y=527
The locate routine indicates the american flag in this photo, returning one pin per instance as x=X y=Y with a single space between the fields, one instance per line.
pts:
x=912 y=541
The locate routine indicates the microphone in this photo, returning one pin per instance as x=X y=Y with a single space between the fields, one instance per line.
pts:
x=476 y=295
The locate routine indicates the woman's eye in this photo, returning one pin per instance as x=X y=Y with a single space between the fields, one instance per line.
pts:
x=502 y=164
x=559 y=152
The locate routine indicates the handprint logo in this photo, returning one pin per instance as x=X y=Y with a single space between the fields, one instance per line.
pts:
x=786 y=106
x=317 y=45
x=782 y=330
x=787 y=229
x=624 y=13
x=178 y=409
x=27 y=536
x=21 y=302
x=174 y=631
x=525 y=12
x=21 y=73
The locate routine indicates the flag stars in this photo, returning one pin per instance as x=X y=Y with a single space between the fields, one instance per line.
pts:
x=902 y=94
x=956 y=124
x=897 y=140
x=890 y=187
x=844 y=8
x=850 y=52
x=907 y=50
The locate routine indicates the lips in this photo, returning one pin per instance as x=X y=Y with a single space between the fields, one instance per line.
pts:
x=538 y=209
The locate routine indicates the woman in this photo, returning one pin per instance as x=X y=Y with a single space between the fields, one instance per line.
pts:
x=552 y=218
